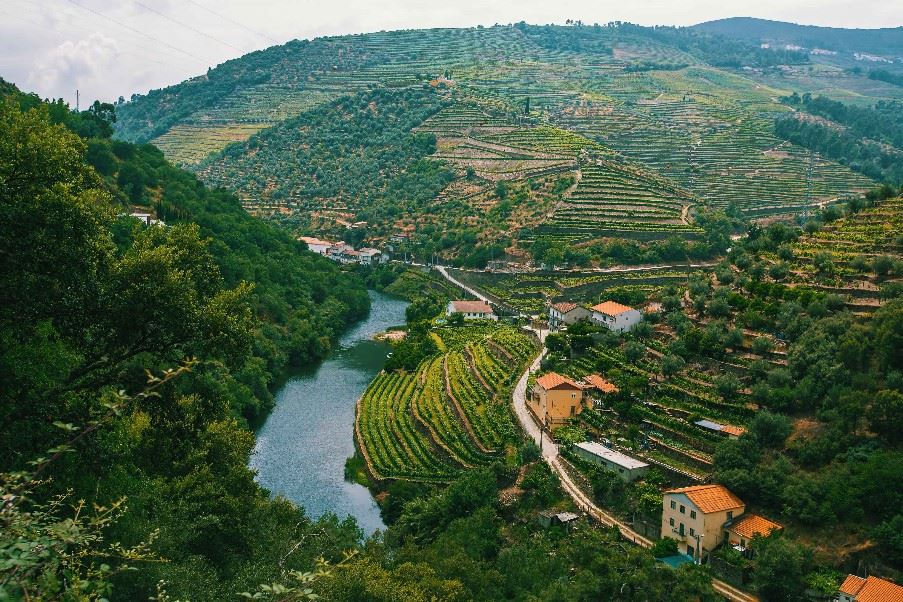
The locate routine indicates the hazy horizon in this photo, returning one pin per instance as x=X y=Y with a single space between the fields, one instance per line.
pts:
x=108 y=49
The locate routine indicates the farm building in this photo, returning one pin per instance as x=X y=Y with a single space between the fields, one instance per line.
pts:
x=616 y=317
x=471 y=310
x=627 y=468
x=566 y=313
x=555 y=399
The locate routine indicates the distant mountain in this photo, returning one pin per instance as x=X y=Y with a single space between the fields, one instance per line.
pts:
x=882 y=42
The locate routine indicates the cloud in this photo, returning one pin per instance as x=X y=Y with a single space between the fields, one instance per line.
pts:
x=75 y=64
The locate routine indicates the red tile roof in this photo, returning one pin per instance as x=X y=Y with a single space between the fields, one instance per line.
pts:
x=597 y=382
x=564 y=307
x=710 y=498
x=871 y=589
x=553 y=380
x=471 y=307
x=749 y=525
x=730 y=429
x=611 y=308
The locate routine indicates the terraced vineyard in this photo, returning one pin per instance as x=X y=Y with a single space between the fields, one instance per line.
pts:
x=650 y=133
x=452 y=413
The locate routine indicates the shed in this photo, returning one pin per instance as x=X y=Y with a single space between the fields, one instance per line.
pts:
x=626 y=467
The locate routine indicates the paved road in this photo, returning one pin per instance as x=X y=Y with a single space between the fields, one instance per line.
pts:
x=584 y=502
x=441 y=269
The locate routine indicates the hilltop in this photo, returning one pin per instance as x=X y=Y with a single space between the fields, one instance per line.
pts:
x=486 y=142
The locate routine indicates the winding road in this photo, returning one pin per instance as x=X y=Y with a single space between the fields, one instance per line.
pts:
x=551 y=456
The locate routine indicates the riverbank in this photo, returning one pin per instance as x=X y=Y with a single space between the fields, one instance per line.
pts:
x=303 y=445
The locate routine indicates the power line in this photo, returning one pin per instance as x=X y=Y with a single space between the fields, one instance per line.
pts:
x=188 y=27
x=139 y=32
x=234 y=22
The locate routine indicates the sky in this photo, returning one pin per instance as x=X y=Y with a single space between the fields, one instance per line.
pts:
x=112 y=48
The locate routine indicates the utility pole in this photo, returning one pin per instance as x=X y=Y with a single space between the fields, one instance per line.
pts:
x=76 y=100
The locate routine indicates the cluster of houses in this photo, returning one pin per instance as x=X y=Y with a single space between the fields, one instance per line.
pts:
x=343 y=252
x=610 y=314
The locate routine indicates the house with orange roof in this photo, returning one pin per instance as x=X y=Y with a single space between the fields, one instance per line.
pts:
x=566 y=312
x=869 y=589
x=696 y=516
x=741 y=531
x=615 y=317
x=597 y=387
x=555 y=399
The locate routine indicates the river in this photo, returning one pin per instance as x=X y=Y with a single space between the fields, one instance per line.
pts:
x=302 y=447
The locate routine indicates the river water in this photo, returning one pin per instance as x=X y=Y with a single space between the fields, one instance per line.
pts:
x=302 y=447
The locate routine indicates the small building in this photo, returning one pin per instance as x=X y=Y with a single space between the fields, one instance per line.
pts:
x=629 y=469
x=547 y=518
x=616 y=317
x=555 y=399
x=696 y=516
x=740 y=531
x=869 y=589
x=317 y=245
x=147 y=219
x=595 y=383
x=728 y=430
x=471 y=310
x=566 y=313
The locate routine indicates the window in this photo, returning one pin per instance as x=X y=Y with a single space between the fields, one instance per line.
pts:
x=673 y=504
x=692 y=532
x=683 y=509
x=671 y=521
x=692 y=514
x=681 y=529
x=730 y=515
x=573 y=410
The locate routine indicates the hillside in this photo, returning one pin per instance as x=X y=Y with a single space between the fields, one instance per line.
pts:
x=596 y=131
x=885 y=41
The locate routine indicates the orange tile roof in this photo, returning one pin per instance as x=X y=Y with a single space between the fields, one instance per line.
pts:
x=710 y=498
x=730 y=429
x=595 y=380
x=553 y=380
x=872 y=589
x=564 y=307
x=749 y=525
x=611 y=308
x=471 y=307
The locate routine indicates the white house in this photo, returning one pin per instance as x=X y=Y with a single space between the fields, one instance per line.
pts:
x=316 y=245
x=627 y=468
x=472 y=310
x=616 y=317
x=566 y=313
x=146 y=218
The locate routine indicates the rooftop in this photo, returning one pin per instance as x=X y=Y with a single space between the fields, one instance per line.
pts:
x=564 y=307
x=597 y=382
x=553 y=380
x=615 y=457
x=730 y=429
x=611 y=308
x=311 y=240
x=471 y=307
x=710 y=498
x=749 y=525
x=872 y=589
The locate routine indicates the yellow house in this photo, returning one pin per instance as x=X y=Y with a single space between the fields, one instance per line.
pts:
x=740 y=531
x=555 y=399
x=695 y=516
